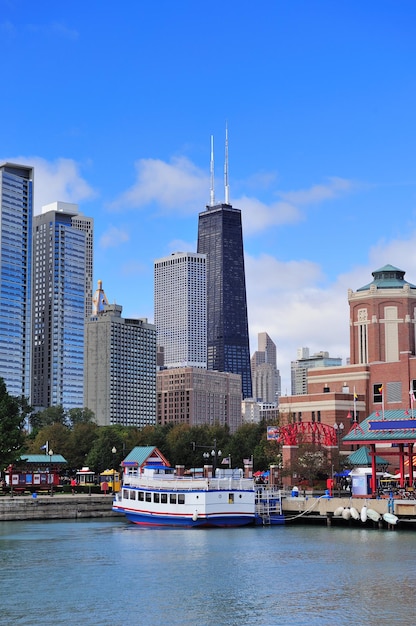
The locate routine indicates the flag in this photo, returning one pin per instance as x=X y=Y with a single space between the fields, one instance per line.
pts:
x=355 y=397
x=377 y=414
x=406 y=412
x=246 y=461
x=380 y=389
x=226 y=460
x=45 y=447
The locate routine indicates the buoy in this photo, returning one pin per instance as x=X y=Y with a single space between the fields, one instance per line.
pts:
x=364 y=514
x=195 y=516
x=390 y=518
x=354 y=513
x=373 y=515
x=338 y=511
x=346 y=514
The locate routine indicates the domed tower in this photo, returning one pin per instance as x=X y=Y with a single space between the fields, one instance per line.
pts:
x=382 y=318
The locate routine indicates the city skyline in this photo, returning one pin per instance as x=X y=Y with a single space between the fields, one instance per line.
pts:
x=319 y=104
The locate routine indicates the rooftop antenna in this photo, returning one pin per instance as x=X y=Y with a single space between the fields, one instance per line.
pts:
x=212 y=192
x=227 y=188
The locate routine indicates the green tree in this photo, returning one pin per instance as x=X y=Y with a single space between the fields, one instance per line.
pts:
x=12 y=436
x=101 y=455
x=51 y=415
x=80 y=416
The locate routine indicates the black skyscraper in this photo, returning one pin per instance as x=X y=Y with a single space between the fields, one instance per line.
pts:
x=220 y=237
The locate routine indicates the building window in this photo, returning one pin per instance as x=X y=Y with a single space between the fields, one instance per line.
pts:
x=378 y=392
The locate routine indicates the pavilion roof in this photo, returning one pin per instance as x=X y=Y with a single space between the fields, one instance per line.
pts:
x=391 y=426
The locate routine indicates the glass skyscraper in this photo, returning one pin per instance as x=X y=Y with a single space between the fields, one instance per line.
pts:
x=61 y=278
x=16 y=210
x=220 y=237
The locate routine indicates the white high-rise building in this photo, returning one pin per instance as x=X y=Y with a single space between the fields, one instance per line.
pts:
x=180 y=299
x=264 y=372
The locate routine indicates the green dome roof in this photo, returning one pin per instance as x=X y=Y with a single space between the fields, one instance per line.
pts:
x=388 y=277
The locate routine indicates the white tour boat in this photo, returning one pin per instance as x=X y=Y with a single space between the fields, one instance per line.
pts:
x=155 y=494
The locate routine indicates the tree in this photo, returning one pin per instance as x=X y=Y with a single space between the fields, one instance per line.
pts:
x=311 y=463
x=51 y=415
x=12 y=420
x=80 y=416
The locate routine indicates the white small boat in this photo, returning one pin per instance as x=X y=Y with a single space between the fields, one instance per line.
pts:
x=354 y=513
x=364 y=514
x=373 y=515
x=346 y=514
x=338 y=511
x=389 y=518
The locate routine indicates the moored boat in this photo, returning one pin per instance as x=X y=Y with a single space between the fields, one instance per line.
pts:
x=156 y=495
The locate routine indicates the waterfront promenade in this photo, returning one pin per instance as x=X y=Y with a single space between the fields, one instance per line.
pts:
x=60 y=506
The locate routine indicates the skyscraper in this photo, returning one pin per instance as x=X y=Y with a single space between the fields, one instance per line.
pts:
x=220 y=237
x=120 y=366
x=264 y=372
x=16 y=211
x=62 y=279
x=180 y=309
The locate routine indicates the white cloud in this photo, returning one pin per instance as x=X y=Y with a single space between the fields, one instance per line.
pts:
x=177 y=186
x=113 y=237
x=319 y=193
x=56 y=181
x=294 y=303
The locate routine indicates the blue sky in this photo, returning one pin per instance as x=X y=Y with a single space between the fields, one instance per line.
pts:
x=115 y=103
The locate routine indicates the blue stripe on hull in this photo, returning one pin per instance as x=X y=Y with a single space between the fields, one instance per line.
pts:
x=215 y=520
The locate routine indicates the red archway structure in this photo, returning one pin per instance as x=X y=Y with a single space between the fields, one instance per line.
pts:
x=307 y=432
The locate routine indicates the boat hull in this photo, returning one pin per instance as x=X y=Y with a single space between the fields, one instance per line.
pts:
x=212 y=521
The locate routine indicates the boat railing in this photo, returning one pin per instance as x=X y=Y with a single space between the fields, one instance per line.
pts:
x=189 y=484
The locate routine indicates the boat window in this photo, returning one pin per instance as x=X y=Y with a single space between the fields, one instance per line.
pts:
x=125 y=493
x=230 y=498
x=132 y=495
x=164 y=498
x=172 y=498
x=140 y=496
x=148 y=497
x=181 y=498
x=155 y=497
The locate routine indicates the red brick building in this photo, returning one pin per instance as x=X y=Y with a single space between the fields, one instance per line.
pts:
x=382 y=368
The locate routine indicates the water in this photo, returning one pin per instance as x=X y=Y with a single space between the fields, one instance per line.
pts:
x=111 y=573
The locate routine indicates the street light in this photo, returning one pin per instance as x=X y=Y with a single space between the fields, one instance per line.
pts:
x=338 y=429
x=214 y=455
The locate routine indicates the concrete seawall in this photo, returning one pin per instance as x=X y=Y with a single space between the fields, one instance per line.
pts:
x=56 y=507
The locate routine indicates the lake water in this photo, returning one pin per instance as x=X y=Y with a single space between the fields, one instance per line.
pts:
x=111 y=573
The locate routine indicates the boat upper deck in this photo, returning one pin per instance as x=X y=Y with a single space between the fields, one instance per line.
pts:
x=187 y=483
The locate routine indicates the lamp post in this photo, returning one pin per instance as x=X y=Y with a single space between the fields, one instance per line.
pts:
x=339 y=430
x=50 y=452
x=215 y=454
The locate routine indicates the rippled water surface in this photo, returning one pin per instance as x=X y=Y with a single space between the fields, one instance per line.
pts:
x=109 y=572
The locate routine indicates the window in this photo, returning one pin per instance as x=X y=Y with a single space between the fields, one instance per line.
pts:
x=156 y=497
x=230 y=498
x=140 y=496
x=181 y=498
x=172 y=498
x=378 y=392
x=164 y=498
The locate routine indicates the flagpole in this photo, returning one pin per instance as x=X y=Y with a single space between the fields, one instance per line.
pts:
x=355 y=405
x=411 y=401
x=382 y=400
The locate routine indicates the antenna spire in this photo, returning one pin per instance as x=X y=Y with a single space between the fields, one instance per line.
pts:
x=226 y=185
x=212 y=192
